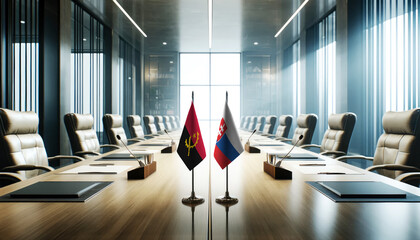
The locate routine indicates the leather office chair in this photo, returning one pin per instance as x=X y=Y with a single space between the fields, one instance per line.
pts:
x=260 y=124
x=270 y=123
x=149 y=125
x=178 y=124
x=398 y=148
x=173 y=122
x=252 y=124
x=160 y=126
x=247 y=122
x=82 y=136
x=285 y=123
x=167 y=123
x=337 y=138
x=113 y=126
x=22 y=151
x=242 y=122
x=306 y=124
x=135 y=128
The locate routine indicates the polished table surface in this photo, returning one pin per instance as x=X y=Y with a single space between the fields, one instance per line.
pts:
x=152 y=208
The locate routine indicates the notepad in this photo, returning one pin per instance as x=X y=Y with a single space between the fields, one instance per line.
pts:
x=105 y=169
x=127 y=155
x=54 y=190
x=368 y=189
x=297 y=156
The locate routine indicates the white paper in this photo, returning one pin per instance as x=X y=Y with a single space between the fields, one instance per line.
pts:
x=97 y=169
x=326 y=169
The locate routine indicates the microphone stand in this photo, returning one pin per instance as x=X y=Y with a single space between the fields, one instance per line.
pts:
x=277 y=164
x=248 y=146
x=142 y=164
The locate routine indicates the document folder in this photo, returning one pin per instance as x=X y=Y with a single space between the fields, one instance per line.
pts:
x=367 y=189
x=54 y=190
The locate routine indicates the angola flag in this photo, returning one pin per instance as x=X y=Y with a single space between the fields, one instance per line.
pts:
x=191 y=147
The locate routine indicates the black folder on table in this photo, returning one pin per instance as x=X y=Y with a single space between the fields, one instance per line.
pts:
x=367 y=189
x=73 y=191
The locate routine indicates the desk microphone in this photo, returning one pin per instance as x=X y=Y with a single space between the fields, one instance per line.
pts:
x=251 y=135
x=166 y=131
x=287 y=155
x=134 y=156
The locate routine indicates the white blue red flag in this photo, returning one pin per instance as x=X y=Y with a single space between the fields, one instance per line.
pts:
x=228 y=145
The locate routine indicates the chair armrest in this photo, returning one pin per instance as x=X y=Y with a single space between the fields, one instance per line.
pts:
x=17 y=168
x=59 y=157
x=110 y=146
x=407 y=177
x=394 y=167
x=310 y=145
x=336 y=153
x=343 y=158
x=83 y=153
x=10 y=177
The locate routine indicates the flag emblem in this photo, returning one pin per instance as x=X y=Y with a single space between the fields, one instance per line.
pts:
x=191 y=146
x=228 y=145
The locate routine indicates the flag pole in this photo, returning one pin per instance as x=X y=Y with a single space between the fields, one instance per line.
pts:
x=227 y=200
x=193 y=199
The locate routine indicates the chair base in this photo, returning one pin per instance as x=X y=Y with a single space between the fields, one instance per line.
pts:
x=277 y=172
x=142 y=172
x=251 y=149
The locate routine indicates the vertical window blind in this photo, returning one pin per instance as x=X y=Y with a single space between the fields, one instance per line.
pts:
x=392 y=60
x=23 y=55
x=87 y=66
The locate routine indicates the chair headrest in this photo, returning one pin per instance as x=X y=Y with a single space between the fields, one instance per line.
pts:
x=148 y=119
x=159 y=119
x=15 y=122
x=135 y=119
x=405 y=122
x=82 y=121
x=114 y=120
x=167 y=118
x=260 y=119
x=305 y=120
x=285 y=120
x=339 y=121
x=270 y=120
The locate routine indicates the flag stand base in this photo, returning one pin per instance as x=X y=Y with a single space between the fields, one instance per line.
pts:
x=193 y=200
x=226 y=200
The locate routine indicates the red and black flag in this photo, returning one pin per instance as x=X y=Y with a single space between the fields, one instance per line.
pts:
x=191 y=147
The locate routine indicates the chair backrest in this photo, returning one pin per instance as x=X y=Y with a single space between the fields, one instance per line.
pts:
x=253 y=123
x=20 y=142
x=242 y=122
x=400 y=143
x=247 y=122
x=134 y=126
x=337 y=137
x=167 y=123
x=149 y=124
x=159 y=123
x=270 y=123
x=113 y=126
x=260 y=123
x=285 y=122
x=306 y=124
x=173 y=122
x=177 y=123
x=81 y=134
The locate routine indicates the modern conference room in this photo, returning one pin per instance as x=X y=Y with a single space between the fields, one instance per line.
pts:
x=209 y=119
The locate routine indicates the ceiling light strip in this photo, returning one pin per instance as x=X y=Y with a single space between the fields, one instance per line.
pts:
x=291 y=18
x=129 y=18
x=210 y=22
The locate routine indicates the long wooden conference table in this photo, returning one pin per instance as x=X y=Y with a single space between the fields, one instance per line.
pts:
x=152 y=208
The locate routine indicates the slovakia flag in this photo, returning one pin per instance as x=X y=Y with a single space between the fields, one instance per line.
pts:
x=228 y=145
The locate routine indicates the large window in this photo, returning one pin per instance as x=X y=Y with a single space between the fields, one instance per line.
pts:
x=291 y=82
x=87 y=66
x=325 y=70
x=392 y=59
x=23 y=55
x=210 y=76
